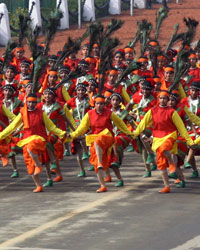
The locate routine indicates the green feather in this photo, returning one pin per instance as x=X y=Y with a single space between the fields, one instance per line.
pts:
x=162 y=15
x=39 y=67
x=8 y=52
x=175 y=37
x=32 y=37
x=72 y=75
x=113 y=26
x=51 y=28
x=24 y=22
x=133 y=66
x=181 y=67
x=145 y=28
x=136 y=37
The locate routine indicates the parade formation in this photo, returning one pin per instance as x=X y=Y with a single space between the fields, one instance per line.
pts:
x=96 y=99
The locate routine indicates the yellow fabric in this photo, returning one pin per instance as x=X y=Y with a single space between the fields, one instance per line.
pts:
x=197 y=141
x=52 y=127
x=8 y=113
x=90 y=138
x=193 y=118
x=83 y=127
x=181 y=128
x=29 y=139
x=120 y=124
x=157 y=142
x=65 y=93
x=181 y=91
x=125 y=95
x=146 y=122
x=40 y=90
x=69 y=116
x=17 y=122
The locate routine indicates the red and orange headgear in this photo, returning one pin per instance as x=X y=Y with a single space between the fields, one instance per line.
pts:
x=168 y=69
x=99 y=98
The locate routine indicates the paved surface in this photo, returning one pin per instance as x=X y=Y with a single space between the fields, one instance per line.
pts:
x=72 y=216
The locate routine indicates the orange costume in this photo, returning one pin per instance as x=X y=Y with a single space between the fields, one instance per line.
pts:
x=34 y=137
x=5 y=114
x=101 y=133
x=166 y=123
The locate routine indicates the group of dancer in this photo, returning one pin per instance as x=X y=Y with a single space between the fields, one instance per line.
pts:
x=141 y=113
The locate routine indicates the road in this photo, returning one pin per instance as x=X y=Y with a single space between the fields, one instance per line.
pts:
x=72 y=216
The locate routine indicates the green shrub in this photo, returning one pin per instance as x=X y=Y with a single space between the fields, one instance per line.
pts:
x=14 y=18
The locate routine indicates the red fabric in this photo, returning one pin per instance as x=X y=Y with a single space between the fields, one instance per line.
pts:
x=36 y=124
x=194 y=72
x=4 y=148
x=59 y=94
x=147 y=73
x=16 y=62
x=116 y=90
x=162 y=121
x=185 y=102
x=100 y=121
x=14 y=84
x=71 y=63
x=137 y=96
x=165 y=85
x=55 y=116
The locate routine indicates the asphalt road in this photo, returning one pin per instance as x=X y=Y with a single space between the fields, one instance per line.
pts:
x=72 y=216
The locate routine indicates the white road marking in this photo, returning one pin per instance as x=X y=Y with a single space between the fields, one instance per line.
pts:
x=55 y=222
x=190 y=244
